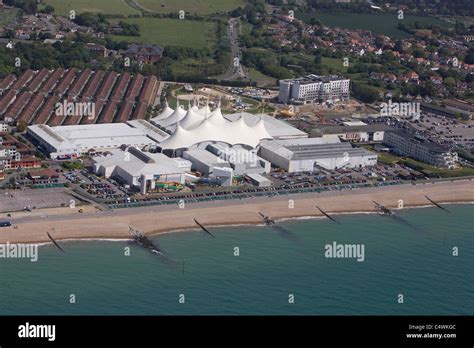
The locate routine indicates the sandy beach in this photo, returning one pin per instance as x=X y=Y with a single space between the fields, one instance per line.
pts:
x=67 y=224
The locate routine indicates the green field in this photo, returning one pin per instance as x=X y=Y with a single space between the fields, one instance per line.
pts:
x=190 y=67
x=62 y=7
x=261 y=79
x=7 y=16
x=386 y=158
x=172 y=32
x=445 y=173
x=385 y=24
x=201 y=7
x=335 y=63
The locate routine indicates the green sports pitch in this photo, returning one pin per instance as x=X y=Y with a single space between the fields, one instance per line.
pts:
x=173 y=32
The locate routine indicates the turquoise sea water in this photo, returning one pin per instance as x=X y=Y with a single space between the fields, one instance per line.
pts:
x=410 y=256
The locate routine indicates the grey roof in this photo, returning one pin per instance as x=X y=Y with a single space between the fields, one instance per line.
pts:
x=150 y=130
x=204 y=156
x=415 y=138
x=313 y=148
x=376 y=127
x=318 y=151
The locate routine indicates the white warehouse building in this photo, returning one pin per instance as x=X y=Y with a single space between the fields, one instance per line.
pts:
x=74 y=141
x=204 y=162
x=141 y=169
x=243 y=161
x=298 y=155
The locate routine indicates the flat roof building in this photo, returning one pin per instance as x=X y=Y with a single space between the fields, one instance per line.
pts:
x=242 y=160
x=259 y=180
x=150 y=130
x=313 y=88
x=141 y=169
x=298 y=155
x=365 y=133
x=412 y=145
x=74 y=141
x=204 y=161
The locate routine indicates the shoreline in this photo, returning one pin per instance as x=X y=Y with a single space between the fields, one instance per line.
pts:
x=194 y=229
x=161 y=220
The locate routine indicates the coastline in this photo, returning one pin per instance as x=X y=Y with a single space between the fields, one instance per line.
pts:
x=157 y=220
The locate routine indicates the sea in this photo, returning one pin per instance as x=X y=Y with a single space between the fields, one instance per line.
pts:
x=418 y=262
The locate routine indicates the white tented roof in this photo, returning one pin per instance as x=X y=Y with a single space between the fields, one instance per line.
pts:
x=216 y=118
x=175 y=117
x=237 y=132
x=193 y=118
x=205 y=110
x=165 y=113
x=278 y=129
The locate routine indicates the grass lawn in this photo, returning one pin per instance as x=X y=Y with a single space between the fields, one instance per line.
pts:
x=172 y=32
x=62 y=7
x=267 y=110
x=172 y=101
x=190 y=67
x=201 y=7
x=257 y=106
x=386 y=158
x=261 y=79
x=445 y=173
x=335 y=63
x=385 y=23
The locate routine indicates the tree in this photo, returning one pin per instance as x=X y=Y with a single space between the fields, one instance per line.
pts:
x=449 y=81
x=364 y=93
x=29 y=6
x=47 y=9
x=21 y=127
x=470 y=78
x=470 y=56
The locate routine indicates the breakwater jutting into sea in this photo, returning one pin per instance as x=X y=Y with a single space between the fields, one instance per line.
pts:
x=254 y=270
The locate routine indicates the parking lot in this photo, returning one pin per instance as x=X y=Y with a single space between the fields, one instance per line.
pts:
x=446 y=131
x=283 y=183
x=17 y=200
x=100 y=189
x=320 y=176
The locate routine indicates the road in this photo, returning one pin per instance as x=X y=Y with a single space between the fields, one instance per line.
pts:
x=235 y=70
x=16 y=220
x=157 y=101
